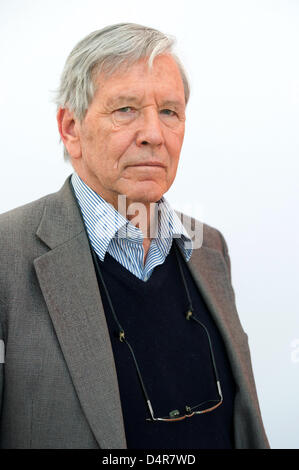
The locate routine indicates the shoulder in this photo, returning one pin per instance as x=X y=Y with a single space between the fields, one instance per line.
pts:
x=205 y=235
x=23 y=218
x=18 y=232
x=26 y=218
x=19 y=245
x=213 y=238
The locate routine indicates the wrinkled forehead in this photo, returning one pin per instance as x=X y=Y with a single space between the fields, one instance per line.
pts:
x=114 y=66
x=133 y=80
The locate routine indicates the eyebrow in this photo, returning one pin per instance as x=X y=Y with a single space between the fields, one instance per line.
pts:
x=173 y=103
x=122 y=99
x=127 y=99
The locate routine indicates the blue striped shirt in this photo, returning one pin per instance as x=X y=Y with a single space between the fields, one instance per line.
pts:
x=109 y=231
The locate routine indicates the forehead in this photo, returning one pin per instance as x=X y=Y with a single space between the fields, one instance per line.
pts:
x=135 y=81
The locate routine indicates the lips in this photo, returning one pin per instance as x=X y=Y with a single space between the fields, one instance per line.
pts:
x=150 y=163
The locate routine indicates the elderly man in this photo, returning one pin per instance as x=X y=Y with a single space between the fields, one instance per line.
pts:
x=117 y=315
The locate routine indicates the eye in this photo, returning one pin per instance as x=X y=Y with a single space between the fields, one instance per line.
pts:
x=125 y=115
x=125 y=109
x=168 y=112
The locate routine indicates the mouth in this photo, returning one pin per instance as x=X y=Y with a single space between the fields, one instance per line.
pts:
x=148 y=164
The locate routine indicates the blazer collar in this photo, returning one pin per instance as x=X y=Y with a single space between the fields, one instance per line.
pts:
x=61 y=220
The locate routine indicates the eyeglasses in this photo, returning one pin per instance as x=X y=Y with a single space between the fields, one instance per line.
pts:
x=201 y=408
x=174 y=415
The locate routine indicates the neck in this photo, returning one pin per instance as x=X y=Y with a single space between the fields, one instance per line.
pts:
x=144 y=216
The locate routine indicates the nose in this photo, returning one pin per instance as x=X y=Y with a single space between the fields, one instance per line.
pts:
x=149 y=130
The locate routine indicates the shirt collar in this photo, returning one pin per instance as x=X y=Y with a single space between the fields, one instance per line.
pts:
x=103 y=223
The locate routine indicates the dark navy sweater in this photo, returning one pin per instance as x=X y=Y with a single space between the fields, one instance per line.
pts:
x=173 y=355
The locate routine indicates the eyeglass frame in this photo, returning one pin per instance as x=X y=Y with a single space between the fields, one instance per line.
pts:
x=192 y=413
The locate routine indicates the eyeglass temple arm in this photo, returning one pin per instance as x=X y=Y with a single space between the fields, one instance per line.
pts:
x=122 y=337
x=190 y=315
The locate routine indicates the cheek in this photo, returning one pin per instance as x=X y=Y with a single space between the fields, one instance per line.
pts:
x=174 y=145
x=112 y=150
x=118 y=143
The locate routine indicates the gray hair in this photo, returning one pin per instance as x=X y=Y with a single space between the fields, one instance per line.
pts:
x=106 y=50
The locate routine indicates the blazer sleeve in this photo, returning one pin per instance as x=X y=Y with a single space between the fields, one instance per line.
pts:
x=225 y=254
x=2 y=357
x=3 y=333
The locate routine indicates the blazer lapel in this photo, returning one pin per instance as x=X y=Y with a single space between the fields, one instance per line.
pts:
x=211 y=275
x=68 y=282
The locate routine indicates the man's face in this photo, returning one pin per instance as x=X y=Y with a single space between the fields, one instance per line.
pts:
x=131 y=137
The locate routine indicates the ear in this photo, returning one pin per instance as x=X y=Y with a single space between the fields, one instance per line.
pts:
x=68 y=127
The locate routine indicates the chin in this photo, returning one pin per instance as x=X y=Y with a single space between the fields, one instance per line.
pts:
x=146 y=193
x=148 y=196
x=145 y=198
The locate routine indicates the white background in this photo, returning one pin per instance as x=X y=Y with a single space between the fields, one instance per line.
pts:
x=239 y=163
